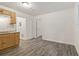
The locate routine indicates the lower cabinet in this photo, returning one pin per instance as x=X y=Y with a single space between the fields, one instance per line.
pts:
x=9 y=40
x=0 y=44
x=12 y=39
x=5 y=41
x=17 y=36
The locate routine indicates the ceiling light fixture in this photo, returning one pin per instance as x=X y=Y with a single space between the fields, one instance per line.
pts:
x=26 y=4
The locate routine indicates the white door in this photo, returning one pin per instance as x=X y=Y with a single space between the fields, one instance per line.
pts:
x=21 y=27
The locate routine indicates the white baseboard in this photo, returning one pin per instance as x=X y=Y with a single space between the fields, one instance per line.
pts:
x=77 y=48
x=59 y=41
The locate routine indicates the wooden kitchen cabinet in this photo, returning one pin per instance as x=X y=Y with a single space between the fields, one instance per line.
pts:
x=17 y=36
x=12 y=39
x=0 y=43
x=13 y=18
x=1 y=11
x=9 y=13
x=5 y=12
x=5 y=41
x=9 y=40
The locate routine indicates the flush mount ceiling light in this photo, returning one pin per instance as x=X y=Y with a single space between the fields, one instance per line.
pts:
x=25 y=4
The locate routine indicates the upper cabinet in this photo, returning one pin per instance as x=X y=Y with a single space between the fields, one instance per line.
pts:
x=13 y=18
x=5 y=12
x=9 y=13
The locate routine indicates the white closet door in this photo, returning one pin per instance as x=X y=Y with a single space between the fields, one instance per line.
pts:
x=29 y=27
x=21 y=27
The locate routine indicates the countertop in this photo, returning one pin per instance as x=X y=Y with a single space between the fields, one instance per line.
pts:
x=7 y=32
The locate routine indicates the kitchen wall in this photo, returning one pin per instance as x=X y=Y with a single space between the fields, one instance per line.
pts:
x=58 y=26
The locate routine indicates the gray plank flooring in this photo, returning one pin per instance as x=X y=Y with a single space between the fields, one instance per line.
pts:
x=39 y=47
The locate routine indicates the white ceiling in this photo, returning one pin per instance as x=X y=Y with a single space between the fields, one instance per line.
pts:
x=40 y=7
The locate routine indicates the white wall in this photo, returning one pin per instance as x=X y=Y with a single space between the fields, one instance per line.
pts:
x=76 y=40
x=58 y=26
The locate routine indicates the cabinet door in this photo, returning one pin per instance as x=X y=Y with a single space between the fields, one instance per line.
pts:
x=5 y=41
x=1 y=11
x=13 y=18
x=12 y=39
x=0 y=43
x=8 y=40
x=17 y=38
x=6 y=12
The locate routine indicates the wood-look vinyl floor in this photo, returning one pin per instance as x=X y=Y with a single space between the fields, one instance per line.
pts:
x=39 y=47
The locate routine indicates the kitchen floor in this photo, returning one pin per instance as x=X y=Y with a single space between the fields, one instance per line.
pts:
x=39 y=47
